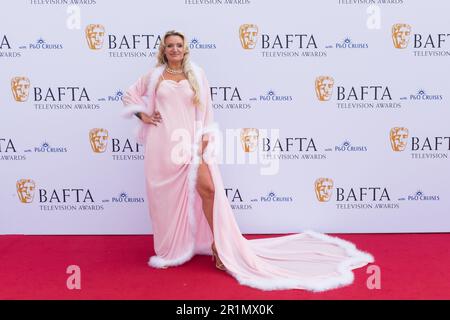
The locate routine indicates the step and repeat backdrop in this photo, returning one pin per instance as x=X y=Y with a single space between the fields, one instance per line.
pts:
x=334 y=114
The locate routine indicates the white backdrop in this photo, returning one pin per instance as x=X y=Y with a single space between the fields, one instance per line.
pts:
x=53 y=181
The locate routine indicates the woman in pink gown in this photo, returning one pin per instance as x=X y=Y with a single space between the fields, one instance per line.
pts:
x=188 y=206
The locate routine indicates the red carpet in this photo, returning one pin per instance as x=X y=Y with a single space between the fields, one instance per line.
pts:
x=413 y=266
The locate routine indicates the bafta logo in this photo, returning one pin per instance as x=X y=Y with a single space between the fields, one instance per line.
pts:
x=25 y=190
x=20 y=87
x=400 y=35
x=324 y=189
x=94 y=36
x=398 y=137
x=99 y=139
x=249 y=139
x=324 y=88
x=248 y=33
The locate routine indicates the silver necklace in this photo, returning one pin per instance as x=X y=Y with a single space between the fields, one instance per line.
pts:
x=173 y=71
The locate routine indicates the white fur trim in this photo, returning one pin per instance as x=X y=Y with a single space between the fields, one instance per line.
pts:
x=161 y=263
x=154 y=77
x=345 y=276
x=129 y=110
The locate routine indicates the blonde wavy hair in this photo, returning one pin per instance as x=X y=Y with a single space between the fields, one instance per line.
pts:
x=186 y=65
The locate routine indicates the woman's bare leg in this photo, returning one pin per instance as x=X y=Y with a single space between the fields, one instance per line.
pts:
x=205 y=188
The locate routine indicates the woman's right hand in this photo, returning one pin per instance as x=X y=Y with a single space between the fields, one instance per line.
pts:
x=154 y=119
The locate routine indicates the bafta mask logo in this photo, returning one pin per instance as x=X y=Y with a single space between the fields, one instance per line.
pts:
x=324 y=88
x=94 y=36
x=400 y=35
x=20 y=87
x=248 y=33
x=398 y=137
x=25 y=190
x=99 y=139
x=324 y=189
x=249 y=139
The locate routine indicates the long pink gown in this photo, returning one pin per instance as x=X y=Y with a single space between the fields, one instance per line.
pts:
x=308 y=260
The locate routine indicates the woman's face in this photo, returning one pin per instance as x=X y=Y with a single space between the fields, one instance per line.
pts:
x=174 y=49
